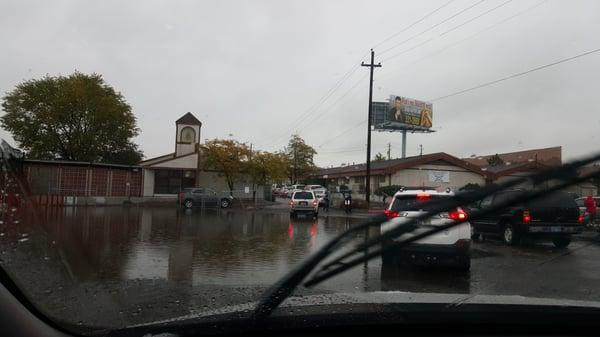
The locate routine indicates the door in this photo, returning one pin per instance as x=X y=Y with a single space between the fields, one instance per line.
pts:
x=483 y=224
x=210 y=198
x=198 y=195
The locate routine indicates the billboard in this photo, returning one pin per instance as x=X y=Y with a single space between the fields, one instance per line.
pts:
x=402 y=113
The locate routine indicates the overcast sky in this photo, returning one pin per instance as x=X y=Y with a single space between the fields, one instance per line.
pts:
x=258 y=70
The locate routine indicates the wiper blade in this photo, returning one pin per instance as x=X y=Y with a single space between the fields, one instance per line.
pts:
x=286 y=285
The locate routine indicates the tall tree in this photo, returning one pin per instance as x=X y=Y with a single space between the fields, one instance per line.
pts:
x=227 y=156
x=495 y=160
x=76 y=117
x=301 y=158
x=379 y=157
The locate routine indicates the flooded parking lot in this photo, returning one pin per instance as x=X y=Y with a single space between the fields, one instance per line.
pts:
x=139 y=264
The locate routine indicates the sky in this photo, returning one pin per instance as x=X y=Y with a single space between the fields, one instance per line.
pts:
x=258 y=71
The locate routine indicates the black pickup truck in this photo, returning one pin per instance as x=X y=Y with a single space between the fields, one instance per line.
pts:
x=554 y=217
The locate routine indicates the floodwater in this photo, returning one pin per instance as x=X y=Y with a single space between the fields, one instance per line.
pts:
x=199 y=247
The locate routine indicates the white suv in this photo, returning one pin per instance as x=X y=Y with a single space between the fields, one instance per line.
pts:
x=451 y=247
x=304 y=202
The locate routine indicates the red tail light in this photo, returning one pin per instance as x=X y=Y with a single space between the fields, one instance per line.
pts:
x=458 y=215
x=580 y=219
x=315 y=203
x=526 y=217
x=292 y=203
x=423 y=196
x=390 y=214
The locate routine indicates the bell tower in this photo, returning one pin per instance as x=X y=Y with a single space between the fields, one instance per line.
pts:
x=188 y=134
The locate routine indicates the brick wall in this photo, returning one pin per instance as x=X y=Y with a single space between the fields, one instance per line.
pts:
x=77 y=180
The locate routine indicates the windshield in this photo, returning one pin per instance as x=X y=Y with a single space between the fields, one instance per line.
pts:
x=154 y=153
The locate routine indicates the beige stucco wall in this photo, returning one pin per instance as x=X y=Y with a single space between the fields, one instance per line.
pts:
x=417 y=176
x=188 y=162
x=183 y=149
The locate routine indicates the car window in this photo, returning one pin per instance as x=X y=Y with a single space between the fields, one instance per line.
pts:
x=412 y=202
x=486 y=202
x=303 y=195
x=580 y=202
x=198 y=191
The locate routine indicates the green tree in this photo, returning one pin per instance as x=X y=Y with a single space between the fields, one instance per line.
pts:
x=379 y=157
x=76 y=117
x=266 y=167
x=227 y=156
x=301 y=158
x=495 y=160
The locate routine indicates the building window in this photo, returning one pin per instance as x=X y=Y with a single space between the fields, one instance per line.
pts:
x=188 y=135
x=173 y=181
x=358 y=180
x=362 y=189
x=381 y=179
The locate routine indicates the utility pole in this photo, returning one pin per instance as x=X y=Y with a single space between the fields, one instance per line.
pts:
x=403 y=143
x=372 y=66
x=421 y=146
x=389 y=151
x=295 y=166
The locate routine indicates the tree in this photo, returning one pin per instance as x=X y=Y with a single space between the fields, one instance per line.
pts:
x=265 y=167
x=227 y=156
x=379 y=157
x=495 y=160
x=300 y=157
x=77 y=117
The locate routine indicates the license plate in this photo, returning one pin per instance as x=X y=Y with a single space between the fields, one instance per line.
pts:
x=303 y=203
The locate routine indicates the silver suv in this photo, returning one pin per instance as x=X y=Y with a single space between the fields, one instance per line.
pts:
x=304 y=202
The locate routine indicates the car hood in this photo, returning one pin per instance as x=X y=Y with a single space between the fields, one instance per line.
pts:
x=398 y=307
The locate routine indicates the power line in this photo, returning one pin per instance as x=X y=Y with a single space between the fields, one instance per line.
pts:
x=319 y=116
x=315 y=106
x=342 y=133
x=451 y=29
x=465 y=39
x=430 y=28
x=477 y=17
x=412 y=24
x=516 y=75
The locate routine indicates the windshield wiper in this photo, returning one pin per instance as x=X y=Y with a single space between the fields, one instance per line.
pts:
x=279 y=291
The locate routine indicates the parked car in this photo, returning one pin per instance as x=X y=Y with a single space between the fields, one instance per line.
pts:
x=318 y=190
x=554 y=217
x=205 y=197
x=450 y=248
x=293 y=189
x=304 y=202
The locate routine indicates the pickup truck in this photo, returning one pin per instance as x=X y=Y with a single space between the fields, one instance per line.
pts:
x=554 y=217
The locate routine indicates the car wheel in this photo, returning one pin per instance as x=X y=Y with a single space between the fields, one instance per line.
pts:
x=225 y=203
x=509 y=236
x=561 y=242
x=474 y=235
x=188 y=203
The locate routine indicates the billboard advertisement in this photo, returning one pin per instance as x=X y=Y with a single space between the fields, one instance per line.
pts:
x=402 y=113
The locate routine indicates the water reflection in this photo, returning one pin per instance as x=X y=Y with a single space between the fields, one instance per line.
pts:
x=225 y=248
